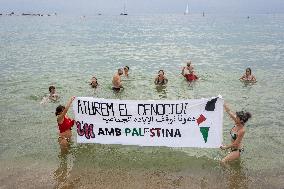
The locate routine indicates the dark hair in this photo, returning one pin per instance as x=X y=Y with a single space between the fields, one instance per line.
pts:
x=126 y=67
x=249 y=70
x=161 y=71
x=244 y=116
x=59 y=109
x=51 y=87
x=92 y=81
x=120 y=71
x=188 y=63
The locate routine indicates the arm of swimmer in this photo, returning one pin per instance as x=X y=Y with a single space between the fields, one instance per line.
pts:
x=253 y=79
x=242 y=78
x=156 y=80
x=166 y=80
x=182 y=71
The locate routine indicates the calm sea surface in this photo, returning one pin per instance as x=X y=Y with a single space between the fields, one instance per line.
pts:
x=36 y=52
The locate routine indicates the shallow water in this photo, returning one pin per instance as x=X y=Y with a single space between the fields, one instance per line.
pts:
x=36 y=52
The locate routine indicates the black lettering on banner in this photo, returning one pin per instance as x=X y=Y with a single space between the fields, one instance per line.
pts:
x=96 y=107
x=142 y=106
x=80 y=110
x=101 y=131
x=85 y=107
x=109 y=131
x=117 y=131
x=123 y=110
x=181 y=108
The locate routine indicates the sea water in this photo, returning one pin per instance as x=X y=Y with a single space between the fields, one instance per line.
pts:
x=66 y=51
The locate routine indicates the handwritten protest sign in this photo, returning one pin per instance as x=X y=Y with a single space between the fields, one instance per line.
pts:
x=173 y=123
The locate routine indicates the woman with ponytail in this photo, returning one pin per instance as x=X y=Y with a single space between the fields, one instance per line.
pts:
x=237 y=133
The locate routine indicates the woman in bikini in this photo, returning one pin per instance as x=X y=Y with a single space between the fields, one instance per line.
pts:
x=161 y=78
x=64 y=124
x=237 y=134
x=248 y=76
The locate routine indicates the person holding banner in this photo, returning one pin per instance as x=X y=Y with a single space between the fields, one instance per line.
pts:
x=237 y=133
x=161 y=78
x=64 y=124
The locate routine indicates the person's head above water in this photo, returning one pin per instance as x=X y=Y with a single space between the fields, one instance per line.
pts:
x=243 y=116
x=161 y=73
x=126 y=68
x=120 y=71
x=51 y=89
x=94 y=82
x=248 y=71
x=188 y=63
x=59 y=109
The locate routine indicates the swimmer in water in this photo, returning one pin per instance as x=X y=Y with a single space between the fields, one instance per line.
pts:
x=94 y=82
x=161 y=79
x=53 y=96
x=126 y=70
x=188 y=72
x=116 y=80
x=248 y=76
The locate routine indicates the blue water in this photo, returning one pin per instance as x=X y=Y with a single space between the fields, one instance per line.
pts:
x=67 y=51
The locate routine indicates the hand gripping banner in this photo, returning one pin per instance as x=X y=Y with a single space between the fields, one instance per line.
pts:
x=172 y=123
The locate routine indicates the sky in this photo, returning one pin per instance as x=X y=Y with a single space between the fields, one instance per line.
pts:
x=92 y=7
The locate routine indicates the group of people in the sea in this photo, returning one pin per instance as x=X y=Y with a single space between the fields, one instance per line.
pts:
x=239 y=118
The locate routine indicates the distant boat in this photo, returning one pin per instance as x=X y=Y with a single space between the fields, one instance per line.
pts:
x=186 y=10
x=124 y=13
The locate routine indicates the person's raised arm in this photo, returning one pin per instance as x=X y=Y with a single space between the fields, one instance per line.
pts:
x=64 y=112
x=231 y=114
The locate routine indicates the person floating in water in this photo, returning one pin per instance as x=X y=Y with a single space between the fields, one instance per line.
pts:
x=126 y=70
x=64 y=124
x=51 y=97
x=237 y=134
x=248 y=76
x=188 y=72
x=116 y=80
x=161 y=79
x=52 y=94
x=94 y=82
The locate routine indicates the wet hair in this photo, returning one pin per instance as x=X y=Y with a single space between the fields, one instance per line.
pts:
x=248 y=69
x=120 y=71
x=244 y=116
x=59 y=109
x=51 y=87
x=188 y=63
x=92 y=81
x=126 y=67
x=161 y=71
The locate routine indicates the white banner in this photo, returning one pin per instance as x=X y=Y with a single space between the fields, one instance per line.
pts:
x=173 y=123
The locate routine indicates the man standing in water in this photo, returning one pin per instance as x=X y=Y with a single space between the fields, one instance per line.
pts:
x=116 y=80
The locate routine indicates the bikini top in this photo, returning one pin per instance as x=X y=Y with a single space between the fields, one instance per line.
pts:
x=233 y=134
x=66 y=124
